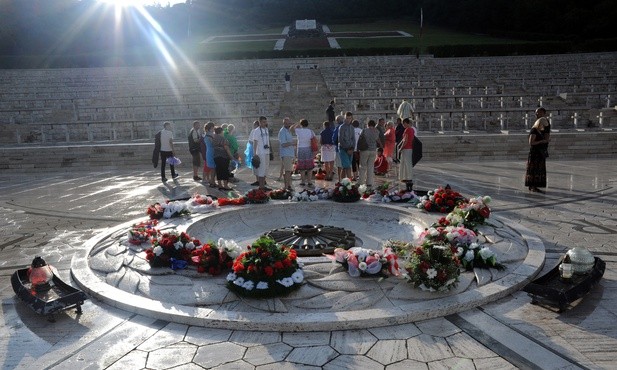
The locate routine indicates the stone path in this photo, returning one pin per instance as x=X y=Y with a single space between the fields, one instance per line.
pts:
x=53 y=214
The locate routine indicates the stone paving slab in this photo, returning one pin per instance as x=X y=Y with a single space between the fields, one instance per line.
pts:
x=579 y=208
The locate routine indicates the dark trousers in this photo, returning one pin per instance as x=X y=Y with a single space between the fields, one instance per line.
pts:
x=164 y=156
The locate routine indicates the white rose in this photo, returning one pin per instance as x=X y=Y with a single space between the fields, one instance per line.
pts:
x=178 y=245
x=286 y=282
x=486 y=253
x=158 y=250
x=248 y=285
x=190 y=246
x=469 y=256
x=231 y=276
x=262 y=285
x=239 y=281
x=298 y=276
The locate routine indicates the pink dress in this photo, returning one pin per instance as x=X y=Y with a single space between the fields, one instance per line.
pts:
x=388 y=150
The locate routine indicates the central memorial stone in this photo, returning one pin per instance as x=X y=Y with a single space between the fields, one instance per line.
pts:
x=313 y=240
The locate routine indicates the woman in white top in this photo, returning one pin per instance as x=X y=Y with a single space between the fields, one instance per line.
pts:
x=305 y=152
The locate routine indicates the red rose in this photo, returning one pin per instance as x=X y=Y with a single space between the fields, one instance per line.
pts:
x=485 y=212
x=428 y=206
x=424 y=266
x=278 y=265
x=268 y=271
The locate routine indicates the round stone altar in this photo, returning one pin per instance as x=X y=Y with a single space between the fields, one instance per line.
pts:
x=112 y=270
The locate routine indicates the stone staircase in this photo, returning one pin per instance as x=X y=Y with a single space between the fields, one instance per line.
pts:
x=309 y=98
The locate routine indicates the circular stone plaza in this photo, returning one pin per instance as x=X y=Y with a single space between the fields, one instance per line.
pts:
x=77 y=174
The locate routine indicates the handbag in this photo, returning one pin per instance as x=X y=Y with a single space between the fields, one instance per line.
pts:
x=314 y=144
x=255 y=162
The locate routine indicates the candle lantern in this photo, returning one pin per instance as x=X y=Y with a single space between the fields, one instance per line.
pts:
x=582 y=260
x=40 y=275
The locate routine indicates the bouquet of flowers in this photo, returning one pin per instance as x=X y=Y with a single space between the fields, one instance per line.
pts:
x=174 y=161
x=257 y=196
x=266 y=269
x=280 y=194
x=368 y=262
x=452 y=235
x=304 y=196
x=171 y=249
x=168 y=209
x=399 y=196
x=432 y=266
x=215 y=258
x=142 y=232
x=473 y=255
x=345 y=191
x=441 y=200
x=202 y=204
x=469 y=214
x=232 y=201
x=466 y=248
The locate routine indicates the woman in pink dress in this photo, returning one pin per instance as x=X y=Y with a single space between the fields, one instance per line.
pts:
x=390 y=144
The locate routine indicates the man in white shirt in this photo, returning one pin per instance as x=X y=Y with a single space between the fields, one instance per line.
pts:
x=261 y=150
x=167 y=150
x=405 y=110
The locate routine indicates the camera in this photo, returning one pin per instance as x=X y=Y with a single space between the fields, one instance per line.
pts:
x=266 y=146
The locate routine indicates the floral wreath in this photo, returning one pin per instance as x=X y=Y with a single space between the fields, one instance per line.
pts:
x=266 y=269
x=256 y=196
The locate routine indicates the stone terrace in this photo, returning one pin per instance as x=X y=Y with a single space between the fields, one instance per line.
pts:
x=478 y=108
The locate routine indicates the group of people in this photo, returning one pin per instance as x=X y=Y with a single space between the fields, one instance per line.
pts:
x=346 y=149
x=216 y=146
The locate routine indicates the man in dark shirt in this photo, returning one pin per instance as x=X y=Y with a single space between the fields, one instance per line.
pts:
x=330 y=112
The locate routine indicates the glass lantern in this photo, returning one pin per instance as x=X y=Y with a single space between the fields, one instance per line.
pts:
x=40 y=275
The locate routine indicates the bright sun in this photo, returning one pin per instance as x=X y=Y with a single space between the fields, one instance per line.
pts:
x=127 y=3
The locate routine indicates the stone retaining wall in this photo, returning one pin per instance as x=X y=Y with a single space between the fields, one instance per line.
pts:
x=451 y=148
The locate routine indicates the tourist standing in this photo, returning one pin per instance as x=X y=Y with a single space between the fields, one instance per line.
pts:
x=337 y=156
x=370 y=138
x=194 y=141
x=222 y=156
x=389 y=141
x=286 y=144
x=208 y=154
x=405 y=110
x=330 y=112
x=539 y=137
x=406 y=148
x=305 y=153
x=287 y=82
x=399 y=130
x=355 y=161
x=248 y=152
x=261 y=150
x=346 y=145
x=381 y=127
x=167 y=150
x=234 y=163
x=328 y=150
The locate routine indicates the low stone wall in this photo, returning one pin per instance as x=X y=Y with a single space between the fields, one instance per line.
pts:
x=436 y=148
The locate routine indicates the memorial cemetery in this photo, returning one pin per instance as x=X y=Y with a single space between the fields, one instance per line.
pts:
x=335 y=274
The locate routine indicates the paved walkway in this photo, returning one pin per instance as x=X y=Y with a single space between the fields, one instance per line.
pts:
x=53 y=214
